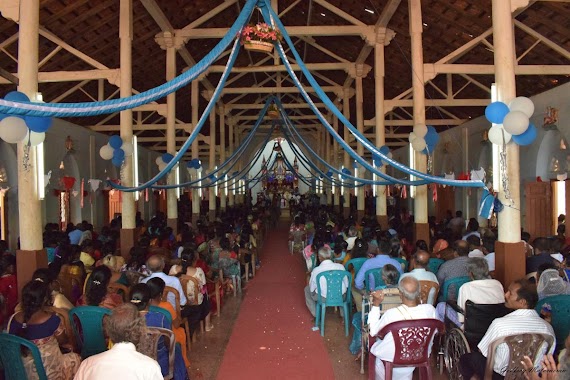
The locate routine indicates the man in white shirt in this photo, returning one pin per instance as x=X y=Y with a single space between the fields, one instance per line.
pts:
x=521 y=297
x=419 y=272
x=311 y=296
x=410 y=309
x=125 y=326
x=156 y=265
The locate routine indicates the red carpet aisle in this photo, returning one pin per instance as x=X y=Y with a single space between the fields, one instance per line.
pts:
x=272 y=337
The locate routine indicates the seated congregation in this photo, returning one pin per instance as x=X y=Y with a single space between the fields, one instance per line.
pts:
x=436 y=305
x=93 y=313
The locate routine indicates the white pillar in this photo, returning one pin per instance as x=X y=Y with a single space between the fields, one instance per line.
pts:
x=170 y=43
x=231 y=195
x=29 y=205
x=383 y=38
x=223 y=187
x=335 y=162
x=347 y=159
x=509 y=250
x=360 y=74
x=196 y=201
x=212 y=163
x=416 y=29
x=505 y=60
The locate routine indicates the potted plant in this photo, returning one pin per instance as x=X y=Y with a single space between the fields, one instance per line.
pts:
x=259 y=37
x=272 y=111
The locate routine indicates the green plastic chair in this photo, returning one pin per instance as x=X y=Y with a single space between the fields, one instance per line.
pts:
x=334 y=279
x=455 y=282
x=11 y=357
x=434 y=264
x=378 y=281
x=356 y=264
x=560 y=315
x=162 y=311
x=404 y=262
x=89 y=332
x=313 y=261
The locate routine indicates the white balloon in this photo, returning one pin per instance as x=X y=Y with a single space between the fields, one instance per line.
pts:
x=390 y=155
x=13 y=129
x=522 y=104
x=199 y=170
x=106 y=152
x=412 y=137
x=159 y=161
x=161 y=166
x=127 y=147
x=419 y=144
x=420 y=130
x=34 y=138
x=496 y=134
x=516 y=122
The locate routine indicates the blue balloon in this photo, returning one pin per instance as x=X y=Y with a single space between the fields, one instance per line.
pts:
x=3 y=116
x=496 y=112
x=527 y=137
x=16 y=96
x=355 y=165
x=212 y=178
x=189 y=164
x=384 y=149
x=119 y=154
x=167 y=157
x=432 y=138
x=38 y=124
x=117 y=162
x=329 y=173
x=115 y=141
x=378 y=162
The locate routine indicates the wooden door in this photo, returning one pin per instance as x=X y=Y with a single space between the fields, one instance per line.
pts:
x=115 y=204
x=445 y=201
x=538 y=204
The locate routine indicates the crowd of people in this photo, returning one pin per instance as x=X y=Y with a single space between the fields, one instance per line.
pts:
x=456 y=249
x=202 y=260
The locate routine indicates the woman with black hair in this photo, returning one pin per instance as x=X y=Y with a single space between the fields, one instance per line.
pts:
x=156 y=287
x=96 y=293
x=198 y=300
x=140 y=297
x=46 y=330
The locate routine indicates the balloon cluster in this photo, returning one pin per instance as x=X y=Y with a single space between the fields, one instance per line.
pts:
x=162 y=161
x=511 y=121
x=194 y=165
x=16 y=128
x=345 y=172
x=116 y=150
x=424 y=139
x=385 y=151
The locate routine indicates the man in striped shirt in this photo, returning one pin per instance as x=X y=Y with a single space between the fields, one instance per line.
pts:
x=522 y=297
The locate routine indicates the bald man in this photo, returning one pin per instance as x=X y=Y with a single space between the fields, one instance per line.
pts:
x=419 y=264
x=409 y=288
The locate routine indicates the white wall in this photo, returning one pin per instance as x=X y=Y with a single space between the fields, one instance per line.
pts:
x=464 y=146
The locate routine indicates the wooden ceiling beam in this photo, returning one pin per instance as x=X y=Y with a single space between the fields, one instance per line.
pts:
x=294 y=31
x=278 y=68
x=111 y=75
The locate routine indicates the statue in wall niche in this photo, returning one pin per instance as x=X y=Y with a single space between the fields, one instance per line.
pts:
x=550 y=118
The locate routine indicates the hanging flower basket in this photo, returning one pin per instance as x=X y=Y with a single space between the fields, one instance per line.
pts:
x=260 y=46
x=259 y=37
x=273 y=112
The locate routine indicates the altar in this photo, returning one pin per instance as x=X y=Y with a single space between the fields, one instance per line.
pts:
x=279 y=179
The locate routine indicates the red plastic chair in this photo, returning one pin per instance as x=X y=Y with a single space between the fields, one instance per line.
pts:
x=412 y=339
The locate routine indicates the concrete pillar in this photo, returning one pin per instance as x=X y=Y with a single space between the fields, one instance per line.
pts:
x=212 y=164
x=232 y=184
x=347 y=160
x=420 y=200
x=196 y=201
x=383 y=38
x=328 y=158
x=128 y=213
x=335 y=162
x=222 y=154
x=361 y=71
x=510 y=263
x=31 y=255
x=169 y=42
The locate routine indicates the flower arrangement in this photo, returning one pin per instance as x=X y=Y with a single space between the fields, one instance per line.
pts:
x=260 y=36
